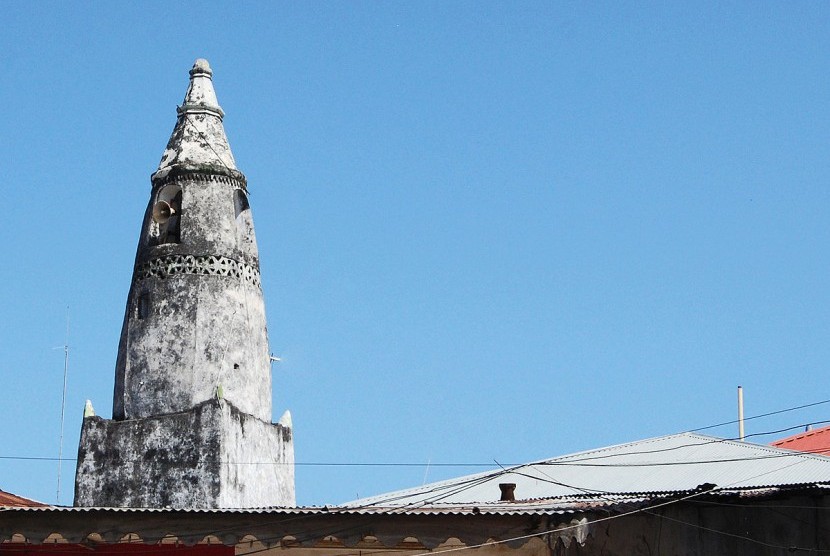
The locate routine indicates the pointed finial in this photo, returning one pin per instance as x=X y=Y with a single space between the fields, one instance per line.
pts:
x=89 y=411
x=200 y=97
x=201 y=66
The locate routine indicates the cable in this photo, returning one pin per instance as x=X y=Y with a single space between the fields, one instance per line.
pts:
x=540 y=533
x=593 y=492
x=445 y=490
x=433 y=464
x=762 y=415
x=582 y=461
x=645 y=509
x=475 y=464
x=207 y=141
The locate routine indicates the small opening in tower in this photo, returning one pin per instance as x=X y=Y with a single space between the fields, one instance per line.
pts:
x=142 y=306
x=240 y=202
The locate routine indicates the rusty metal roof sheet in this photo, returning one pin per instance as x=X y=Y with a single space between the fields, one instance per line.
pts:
x=8 y=499
x=816 y=441
x=669 y=464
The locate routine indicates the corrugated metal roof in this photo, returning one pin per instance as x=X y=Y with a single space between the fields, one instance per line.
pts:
x=816 y=441
x=540 y=507
x=668 y=464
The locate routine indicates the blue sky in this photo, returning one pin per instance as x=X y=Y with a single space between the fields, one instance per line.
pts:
x=488 y=231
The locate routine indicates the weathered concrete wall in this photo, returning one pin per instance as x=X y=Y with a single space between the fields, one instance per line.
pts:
x=259 y=462
x=212 y=456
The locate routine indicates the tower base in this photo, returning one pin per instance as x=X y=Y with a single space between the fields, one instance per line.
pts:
x=212 y=456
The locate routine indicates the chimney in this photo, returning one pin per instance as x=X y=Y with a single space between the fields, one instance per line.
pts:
x=507 y=492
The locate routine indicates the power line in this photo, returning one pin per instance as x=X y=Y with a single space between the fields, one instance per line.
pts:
x=442 y=491
x=647 y=509
x=575 y=460
x=822 y=402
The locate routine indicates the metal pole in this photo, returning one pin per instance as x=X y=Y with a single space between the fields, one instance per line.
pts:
x=741 y=413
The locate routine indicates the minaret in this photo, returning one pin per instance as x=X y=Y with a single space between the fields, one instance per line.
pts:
x=191 y=420
x=195 y=318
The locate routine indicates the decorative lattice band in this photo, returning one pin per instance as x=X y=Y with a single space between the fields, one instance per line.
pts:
x=213 y=265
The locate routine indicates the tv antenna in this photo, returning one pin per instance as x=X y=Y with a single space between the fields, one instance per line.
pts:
x=63 y=405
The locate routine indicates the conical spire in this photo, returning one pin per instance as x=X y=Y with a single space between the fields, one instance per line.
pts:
x=198 y=142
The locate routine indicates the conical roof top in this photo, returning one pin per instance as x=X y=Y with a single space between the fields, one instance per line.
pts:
x=198 y=142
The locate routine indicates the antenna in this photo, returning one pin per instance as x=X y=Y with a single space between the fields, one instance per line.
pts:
x=63 y=405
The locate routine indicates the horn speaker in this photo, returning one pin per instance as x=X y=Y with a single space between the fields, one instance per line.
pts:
x=162 y=211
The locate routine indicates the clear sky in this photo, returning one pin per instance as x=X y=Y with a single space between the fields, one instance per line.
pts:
x=488 y=231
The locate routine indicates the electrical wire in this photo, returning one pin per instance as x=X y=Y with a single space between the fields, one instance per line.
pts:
x=199 y=132
x=560 y=529
x=575 y=460
x=778 y=412
x=442 y=491
x=646 y=509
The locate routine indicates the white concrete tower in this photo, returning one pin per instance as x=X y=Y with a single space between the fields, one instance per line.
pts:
x=195 y=318
x=192 y=405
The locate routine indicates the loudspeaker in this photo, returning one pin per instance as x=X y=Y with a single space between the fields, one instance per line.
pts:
x=162 y=211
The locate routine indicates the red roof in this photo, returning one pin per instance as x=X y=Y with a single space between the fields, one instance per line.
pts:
x=8 y=499
x=816 y=441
